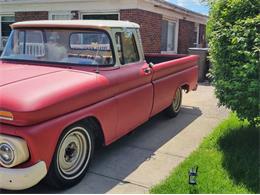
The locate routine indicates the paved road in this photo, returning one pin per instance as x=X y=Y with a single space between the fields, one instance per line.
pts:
x=138 y=161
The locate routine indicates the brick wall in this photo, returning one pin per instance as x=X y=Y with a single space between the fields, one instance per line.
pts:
x=187 y=36
x=150 y=27
x=24 y=16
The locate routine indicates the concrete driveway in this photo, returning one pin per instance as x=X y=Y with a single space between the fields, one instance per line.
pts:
x=142 y=159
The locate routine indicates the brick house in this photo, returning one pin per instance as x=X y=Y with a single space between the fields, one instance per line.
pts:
x=165 y=27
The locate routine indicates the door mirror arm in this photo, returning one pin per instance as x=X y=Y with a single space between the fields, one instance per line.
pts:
x=151 y=64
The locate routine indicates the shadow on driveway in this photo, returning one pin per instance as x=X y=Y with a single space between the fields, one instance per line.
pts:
x=112 y=164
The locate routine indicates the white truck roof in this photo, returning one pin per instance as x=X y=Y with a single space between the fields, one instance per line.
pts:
x=76 y=24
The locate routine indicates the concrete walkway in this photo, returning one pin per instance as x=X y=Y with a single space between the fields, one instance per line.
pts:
x=142 y=159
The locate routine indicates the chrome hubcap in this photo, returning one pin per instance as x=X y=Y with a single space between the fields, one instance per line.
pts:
x=176 y=104
x=73 y=153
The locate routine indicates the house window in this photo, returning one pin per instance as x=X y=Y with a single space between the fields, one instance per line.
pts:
x=5 y=28
x=168 y=36
x=59 y=16
x=197 y=32
x=100 y=17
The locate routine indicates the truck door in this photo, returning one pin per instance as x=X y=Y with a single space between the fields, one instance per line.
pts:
x=134 y=88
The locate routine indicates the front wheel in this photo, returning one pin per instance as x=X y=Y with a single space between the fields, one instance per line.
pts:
x=72 y=156
x=174 y=109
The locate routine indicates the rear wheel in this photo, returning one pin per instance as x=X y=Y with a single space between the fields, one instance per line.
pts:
x=72 y=156
x=174 y=109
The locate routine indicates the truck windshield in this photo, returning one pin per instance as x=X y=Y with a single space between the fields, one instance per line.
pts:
x=88 y=47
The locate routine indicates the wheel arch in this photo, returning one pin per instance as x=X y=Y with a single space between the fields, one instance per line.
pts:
x=185 y=87
x=88 y=120
x=97 y=128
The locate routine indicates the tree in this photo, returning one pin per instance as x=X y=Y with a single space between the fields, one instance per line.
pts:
x=207 y=2
x=234 y=40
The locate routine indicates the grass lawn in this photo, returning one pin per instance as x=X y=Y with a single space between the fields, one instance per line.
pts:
x=228 y=162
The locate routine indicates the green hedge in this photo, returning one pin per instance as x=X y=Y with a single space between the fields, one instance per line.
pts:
x=234 y=40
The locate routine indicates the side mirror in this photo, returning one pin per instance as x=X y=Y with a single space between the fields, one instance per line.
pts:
x=151 y=64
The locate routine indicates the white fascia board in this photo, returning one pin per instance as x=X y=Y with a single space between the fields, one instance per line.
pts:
x=170 y=12
x=11 y=6
x=66 y=5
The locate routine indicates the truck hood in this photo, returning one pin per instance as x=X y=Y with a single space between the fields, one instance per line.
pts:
x=12 y=73
x=37 y=93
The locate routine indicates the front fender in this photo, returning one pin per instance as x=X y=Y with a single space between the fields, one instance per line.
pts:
x=42 y=138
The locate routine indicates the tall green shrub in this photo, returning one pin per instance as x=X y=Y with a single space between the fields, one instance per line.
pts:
x=234 y=40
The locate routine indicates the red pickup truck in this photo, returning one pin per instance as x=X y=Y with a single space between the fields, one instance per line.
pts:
x=67 y=85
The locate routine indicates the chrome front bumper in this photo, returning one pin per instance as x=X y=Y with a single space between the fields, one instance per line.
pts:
x=19 y=179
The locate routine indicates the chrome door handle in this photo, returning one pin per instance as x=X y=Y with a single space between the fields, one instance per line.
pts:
x=147 y=70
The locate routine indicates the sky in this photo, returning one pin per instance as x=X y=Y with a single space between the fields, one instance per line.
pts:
x=194 y=5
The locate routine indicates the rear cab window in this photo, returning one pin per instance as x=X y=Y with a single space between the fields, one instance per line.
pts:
x=91 y=46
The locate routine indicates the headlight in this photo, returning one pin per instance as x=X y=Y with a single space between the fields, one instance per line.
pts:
x=6 y=153
x=13 y=151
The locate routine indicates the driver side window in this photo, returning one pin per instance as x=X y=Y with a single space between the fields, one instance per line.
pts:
x=127 y=47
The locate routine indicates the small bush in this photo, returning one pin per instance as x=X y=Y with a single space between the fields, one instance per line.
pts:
x=234 y=40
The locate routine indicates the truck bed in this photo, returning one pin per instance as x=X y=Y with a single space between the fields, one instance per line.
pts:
x=169 y=64
x=169 y=73
x=159 y=58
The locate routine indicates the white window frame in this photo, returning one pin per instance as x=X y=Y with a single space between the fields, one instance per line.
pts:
x=176 y=37
x=1 y=15
x=60 y=13
x=197 y=28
